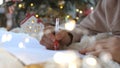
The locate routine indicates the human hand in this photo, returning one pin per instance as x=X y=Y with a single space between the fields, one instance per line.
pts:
x=49 y=37
x=110 y=45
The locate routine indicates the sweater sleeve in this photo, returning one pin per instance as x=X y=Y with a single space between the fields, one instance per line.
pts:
x=92 y=24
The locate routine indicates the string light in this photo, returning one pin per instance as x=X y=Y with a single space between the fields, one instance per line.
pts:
x=31 y=4
x=91 y=8
x=33 y=21
x=61 y=6
x=68 y=16
x=37 y=15
x=80 y=11
x=20 y=5
x=77 y=10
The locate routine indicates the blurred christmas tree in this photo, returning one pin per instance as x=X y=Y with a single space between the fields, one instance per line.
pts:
x=48 y=10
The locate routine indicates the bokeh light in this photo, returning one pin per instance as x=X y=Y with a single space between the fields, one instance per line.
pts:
x=91 y=61
x=1 y=2
x=27 y=40
x=70 y=25
x=21 y=45
x=6 y=37
x=65 y=57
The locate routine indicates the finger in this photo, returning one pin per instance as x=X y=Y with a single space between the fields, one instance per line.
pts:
x=48 y=46
x=89 y=49
x=61 y=34
x=48 y=40
x=83 y=51
x=98 y=52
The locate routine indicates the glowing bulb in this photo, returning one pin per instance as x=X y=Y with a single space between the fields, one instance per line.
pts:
x=33 y=21
x=68 y=16
x=80 y=11
x=91 y=61
x=20 y=5
x=37 y=15
x=70 y=25
x=31 y=4
x=77 y=10
x=61 y=7
x=21 y=45
x=91 y=8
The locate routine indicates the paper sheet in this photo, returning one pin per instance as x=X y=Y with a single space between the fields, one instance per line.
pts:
x=28 y=51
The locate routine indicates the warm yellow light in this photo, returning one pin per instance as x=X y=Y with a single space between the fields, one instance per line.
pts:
x=31 y=4
x=33 y=21
x=77 y=10
x=91 y=8
x=37 y=15
x=20 y=5
x=70 y=25
x=61 y=6
x=80 y=11
x=68 y=16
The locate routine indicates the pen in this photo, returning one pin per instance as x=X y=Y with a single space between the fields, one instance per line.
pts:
x=56 y=43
